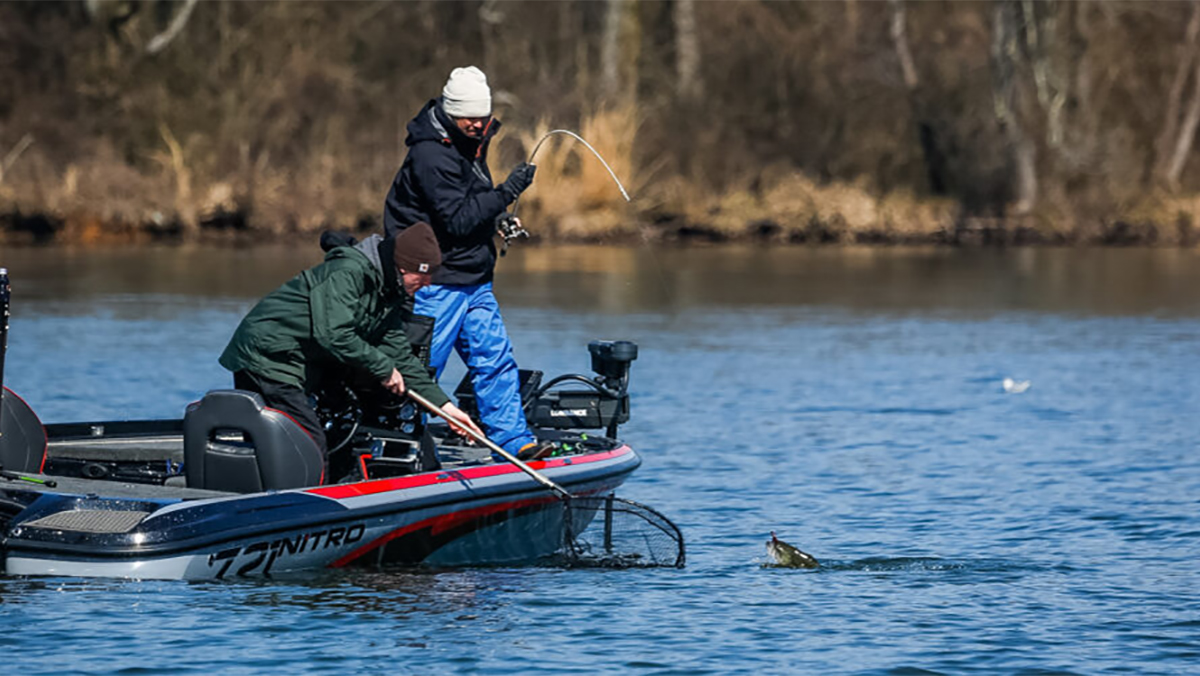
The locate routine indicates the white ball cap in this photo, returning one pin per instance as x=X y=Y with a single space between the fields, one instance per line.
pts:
x=467 y=94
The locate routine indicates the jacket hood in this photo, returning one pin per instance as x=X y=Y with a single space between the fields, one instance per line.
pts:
x=369 y=248
x=433 y=124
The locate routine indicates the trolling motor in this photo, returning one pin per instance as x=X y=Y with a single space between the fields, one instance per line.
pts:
x=604 y=405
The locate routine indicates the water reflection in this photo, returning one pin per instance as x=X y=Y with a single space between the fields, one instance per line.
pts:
x=398 y=593
x=653 y=279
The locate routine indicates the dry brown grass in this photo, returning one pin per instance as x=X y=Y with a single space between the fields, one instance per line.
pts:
x=1174 y=218
x=795 y=203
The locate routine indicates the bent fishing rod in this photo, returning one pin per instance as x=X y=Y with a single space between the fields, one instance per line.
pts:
x=510 y=228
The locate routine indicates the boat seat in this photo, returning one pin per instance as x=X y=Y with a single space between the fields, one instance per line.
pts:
x=233 y=442
x=22 y=437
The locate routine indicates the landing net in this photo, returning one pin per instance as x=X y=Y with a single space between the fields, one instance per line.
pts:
x=610 y=532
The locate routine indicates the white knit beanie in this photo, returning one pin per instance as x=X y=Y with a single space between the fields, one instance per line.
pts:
x=466 y=93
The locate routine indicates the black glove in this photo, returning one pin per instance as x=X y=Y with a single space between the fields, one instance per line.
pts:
x=517 y=181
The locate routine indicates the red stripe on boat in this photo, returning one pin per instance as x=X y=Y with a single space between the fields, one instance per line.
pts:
x=438 y=524
x=340 y=491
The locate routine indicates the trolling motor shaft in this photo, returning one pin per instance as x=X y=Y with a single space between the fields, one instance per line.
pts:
x=5 y=299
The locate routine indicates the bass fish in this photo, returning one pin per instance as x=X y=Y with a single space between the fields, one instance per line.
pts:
x=787 y=556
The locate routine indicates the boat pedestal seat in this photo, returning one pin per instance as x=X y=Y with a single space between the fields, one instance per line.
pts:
x=233 y=442
x=22 y=437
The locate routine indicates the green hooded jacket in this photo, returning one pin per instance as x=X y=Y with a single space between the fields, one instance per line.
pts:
x=334 y=315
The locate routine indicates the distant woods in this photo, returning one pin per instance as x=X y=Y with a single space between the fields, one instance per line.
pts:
x=1009 y=121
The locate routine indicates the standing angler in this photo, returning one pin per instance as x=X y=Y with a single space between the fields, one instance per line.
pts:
x=445 y=182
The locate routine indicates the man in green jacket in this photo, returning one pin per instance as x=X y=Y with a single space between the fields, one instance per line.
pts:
x=345 y=314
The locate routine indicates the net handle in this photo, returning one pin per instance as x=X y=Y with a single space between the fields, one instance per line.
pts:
x=538 y=476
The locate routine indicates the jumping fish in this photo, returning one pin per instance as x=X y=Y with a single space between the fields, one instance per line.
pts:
x=787 y=556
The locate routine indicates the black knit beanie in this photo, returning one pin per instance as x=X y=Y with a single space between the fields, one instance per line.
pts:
x=417 y=249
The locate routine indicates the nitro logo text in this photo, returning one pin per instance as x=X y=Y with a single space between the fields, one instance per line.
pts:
x=260 y=556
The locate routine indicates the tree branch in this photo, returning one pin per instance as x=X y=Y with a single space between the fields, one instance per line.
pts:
x=159 y=42
x=900 y=40
x=11 y=157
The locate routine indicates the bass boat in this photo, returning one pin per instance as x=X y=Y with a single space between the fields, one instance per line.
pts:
x=237 y=489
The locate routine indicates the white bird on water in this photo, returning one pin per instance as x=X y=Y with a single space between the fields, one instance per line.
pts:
x=1015 y=386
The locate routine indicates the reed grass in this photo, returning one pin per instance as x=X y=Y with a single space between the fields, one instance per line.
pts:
x=790 y=206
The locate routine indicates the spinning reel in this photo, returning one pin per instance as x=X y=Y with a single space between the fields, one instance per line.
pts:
x=509 y=227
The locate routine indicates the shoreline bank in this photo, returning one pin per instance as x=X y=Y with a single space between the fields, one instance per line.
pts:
x=39 y=229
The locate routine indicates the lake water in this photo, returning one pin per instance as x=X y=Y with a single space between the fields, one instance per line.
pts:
x=849 y=400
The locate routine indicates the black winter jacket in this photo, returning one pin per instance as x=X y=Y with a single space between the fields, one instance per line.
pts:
x=445 y=182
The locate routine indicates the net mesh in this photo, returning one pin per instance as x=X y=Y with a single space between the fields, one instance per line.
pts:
x=610 y=532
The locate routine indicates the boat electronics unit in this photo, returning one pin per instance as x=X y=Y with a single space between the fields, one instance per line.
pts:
x=602 y=404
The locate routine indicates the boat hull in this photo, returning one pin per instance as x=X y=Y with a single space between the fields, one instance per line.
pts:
x=489 y=514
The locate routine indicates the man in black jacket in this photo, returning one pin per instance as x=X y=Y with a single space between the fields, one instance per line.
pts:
x=445 y=182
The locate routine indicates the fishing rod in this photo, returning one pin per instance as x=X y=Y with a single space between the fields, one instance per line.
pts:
x=13 y=476
x=510 y=228
x=492 y=446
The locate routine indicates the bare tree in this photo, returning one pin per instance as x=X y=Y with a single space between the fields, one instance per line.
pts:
x=491 y=18
x=899 y=33
x=1086 y=122
x=852 y=21
x=619 y=51
x=1187 y=135
x=687 y=51
x=159 y=42
x=1172 y=145
x=927 y=128
x=116 y=14
x=1005 y=58
x=14 y=154
x=1041 y=32
x=610 y=45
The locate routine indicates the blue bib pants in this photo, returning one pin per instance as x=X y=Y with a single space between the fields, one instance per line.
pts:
x=467 y=319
